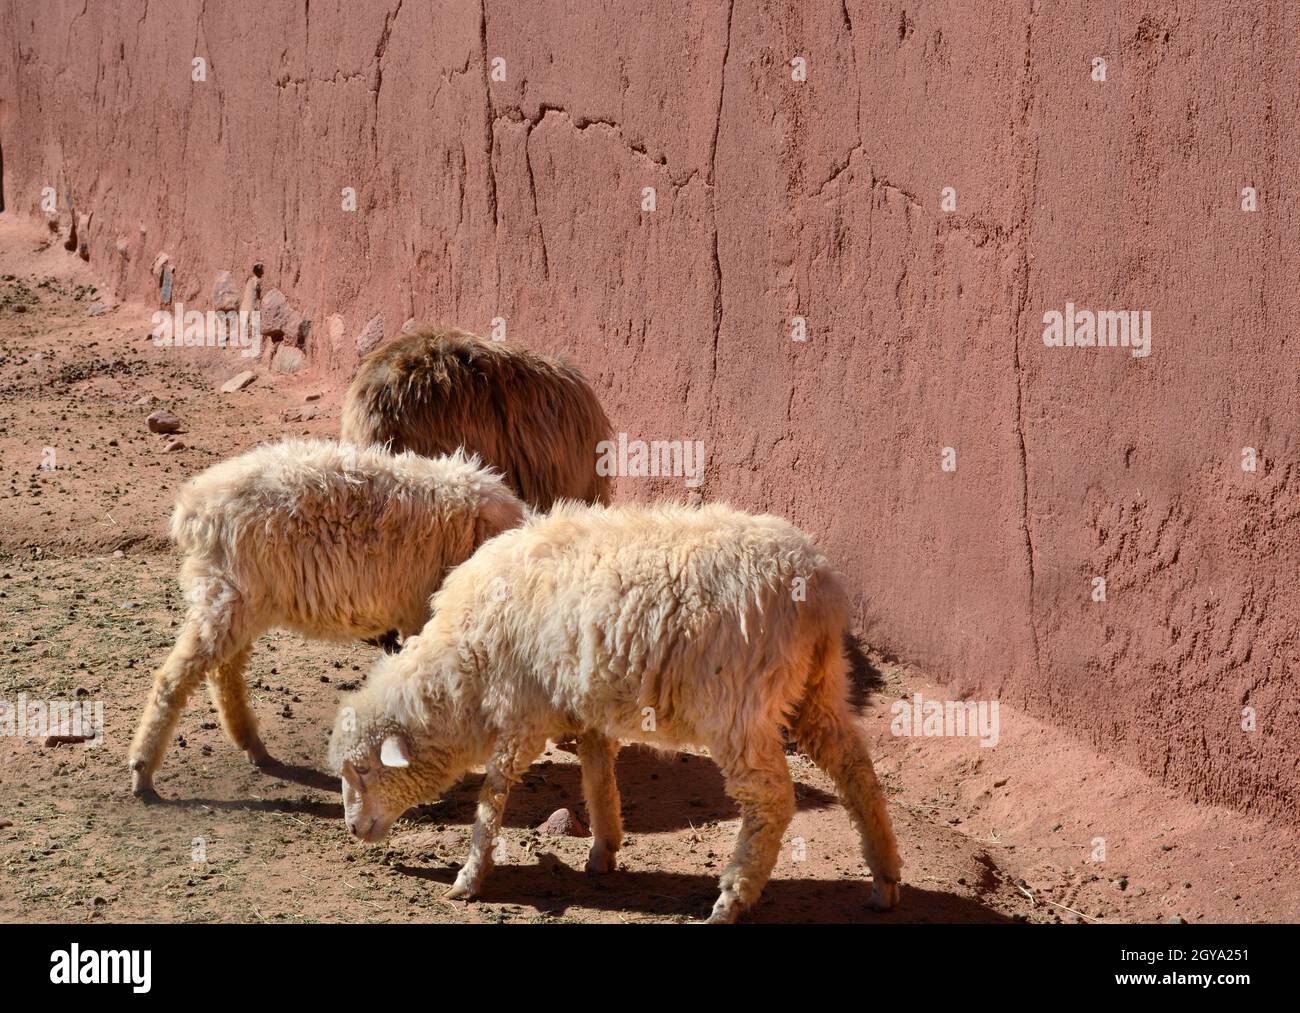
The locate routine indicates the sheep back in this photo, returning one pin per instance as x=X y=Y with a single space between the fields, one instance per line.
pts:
x=532 y=417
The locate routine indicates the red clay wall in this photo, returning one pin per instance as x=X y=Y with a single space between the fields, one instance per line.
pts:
x=522 y=199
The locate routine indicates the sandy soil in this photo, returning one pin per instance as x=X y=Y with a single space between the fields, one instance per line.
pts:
x=88 y=605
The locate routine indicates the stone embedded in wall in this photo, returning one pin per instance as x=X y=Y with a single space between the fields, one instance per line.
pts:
x=276 y=314
x=371 y=336
x=225 y=294
x=83 y=235
x=288 y=359
x=252 y=291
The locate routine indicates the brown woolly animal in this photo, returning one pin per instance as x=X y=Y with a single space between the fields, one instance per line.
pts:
x=334 y=542
x=533 y=418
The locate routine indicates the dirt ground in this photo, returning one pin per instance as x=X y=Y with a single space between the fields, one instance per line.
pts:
x=89 y=605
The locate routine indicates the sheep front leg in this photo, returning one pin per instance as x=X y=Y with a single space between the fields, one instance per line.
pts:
x=504 y=770
x=600 y=789
x=765 y=794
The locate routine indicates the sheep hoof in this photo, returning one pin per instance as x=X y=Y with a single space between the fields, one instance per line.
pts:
x=725 y=912
x=142 y=787
x=601 y=860
x=884 y=896
x=259 y=757
x=459 y=891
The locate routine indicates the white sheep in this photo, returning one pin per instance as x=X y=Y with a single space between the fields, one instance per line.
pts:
x=666 y=625
x=334 y=542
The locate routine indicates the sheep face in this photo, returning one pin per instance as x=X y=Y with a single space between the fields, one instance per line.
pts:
x=384 y=773
x=378 y=786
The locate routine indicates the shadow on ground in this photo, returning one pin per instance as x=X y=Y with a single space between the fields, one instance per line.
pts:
x=552 y=887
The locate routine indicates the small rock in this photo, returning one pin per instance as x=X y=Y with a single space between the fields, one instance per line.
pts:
x=163 y=422
x=53 y=741
x=5 y=824
x=1175 y=920
x=118 y=554
x=252 y=292
x=83 y=234
x=96 y=309
x=288 y=359
x=225 y=295
x=275 y=314
x=238 y=382
x=563 y=823
x=300 y=414
x=144 y=401
x=314 y=396
x=173 y=446
x=371 y=336
x=409 y=326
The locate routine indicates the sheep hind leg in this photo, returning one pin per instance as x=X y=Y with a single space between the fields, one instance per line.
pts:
x=839 y=749
x=190 y=659
x=600 y=789
x=229 y=694
x=765 y=794
x=504 y=769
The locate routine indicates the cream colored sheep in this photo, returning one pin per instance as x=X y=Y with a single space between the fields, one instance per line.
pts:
x=335 y=542
x=665 y=625
x=532 y=417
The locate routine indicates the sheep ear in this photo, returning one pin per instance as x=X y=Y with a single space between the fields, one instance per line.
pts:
x=394 y=752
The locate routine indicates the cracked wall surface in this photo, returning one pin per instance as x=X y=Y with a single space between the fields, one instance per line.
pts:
x=522 y=199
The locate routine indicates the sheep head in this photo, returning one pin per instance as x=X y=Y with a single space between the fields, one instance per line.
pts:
x=386 y=766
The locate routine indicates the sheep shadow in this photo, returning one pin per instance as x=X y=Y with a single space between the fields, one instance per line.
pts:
x=331 y=812
x=661 y=792
x=865 y=678
x=308 y=777
x=552 y=888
